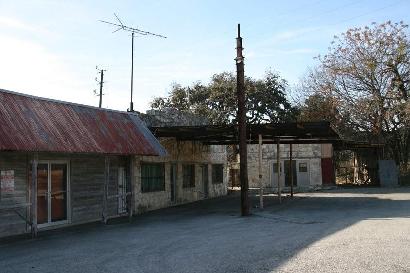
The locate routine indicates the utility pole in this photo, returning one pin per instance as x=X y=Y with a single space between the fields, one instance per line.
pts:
x=133 y=31
x=240 y=89
x=101 y=87
x=100 y=83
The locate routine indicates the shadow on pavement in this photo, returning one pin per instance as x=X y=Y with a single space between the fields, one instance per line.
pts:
x=206 y=236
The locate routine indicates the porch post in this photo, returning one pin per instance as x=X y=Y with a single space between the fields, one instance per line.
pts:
x=260 y=174
x=34 y=196
x=105 y=189
x=290 y=170
x=132 y=185
x=278 y=165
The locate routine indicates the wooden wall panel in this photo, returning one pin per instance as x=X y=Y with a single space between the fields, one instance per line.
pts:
x=10 y=222
x=86 y=187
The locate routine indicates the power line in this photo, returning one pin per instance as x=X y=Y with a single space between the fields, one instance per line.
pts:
x=316 y=29
x=367 y=13
x=355 y=17
x=309 y=19
x=292 y=11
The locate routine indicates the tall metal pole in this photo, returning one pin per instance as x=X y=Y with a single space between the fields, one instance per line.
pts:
x=240 y=89
x=132 y=72
x=133 y=30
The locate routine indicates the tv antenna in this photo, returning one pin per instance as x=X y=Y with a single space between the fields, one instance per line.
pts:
x=133 y=31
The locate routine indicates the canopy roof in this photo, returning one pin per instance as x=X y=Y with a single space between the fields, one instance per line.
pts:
x=293 y=132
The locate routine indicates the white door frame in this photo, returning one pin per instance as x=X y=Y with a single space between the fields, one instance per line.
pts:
x=68 y=202
x=304 y=175
x=274 y=176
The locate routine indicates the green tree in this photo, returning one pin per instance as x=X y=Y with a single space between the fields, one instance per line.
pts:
x=266 y=99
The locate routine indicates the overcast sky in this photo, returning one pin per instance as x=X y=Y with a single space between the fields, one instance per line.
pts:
x=50 y=48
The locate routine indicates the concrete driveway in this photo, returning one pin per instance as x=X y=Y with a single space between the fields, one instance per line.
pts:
x=361 y=230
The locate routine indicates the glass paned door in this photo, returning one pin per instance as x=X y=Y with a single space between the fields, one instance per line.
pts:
x=42 y=193
x=58 y=192
x=52 y=192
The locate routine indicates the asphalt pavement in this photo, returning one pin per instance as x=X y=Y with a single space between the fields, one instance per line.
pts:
x=354 y=230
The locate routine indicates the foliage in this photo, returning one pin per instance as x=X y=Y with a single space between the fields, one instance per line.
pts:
x=365 y=76
x=266 y=99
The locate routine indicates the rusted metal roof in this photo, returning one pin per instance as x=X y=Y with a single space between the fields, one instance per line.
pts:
x=30 y=123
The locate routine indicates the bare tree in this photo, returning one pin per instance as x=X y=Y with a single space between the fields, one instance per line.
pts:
x=366 y=73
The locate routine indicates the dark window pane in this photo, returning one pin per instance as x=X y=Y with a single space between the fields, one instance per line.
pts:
x=58 y=192
x=152 y=177
x=275 y=168
x=303 y=167
x=217 y=173
x=188 y=179
x=42 y=193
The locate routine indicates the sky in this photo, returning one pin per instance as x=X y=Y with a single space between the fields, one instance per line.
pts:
x=51 y=48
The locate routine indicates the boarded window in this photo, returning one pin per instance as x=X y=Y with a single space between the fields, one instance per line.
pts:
x=303 y=167
x=152 y=177
x=188 y=180
x=217 y=173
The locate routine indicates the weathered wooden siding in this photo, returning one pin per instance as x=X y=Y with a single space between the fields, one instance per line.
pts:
x=86 y=182
x=10 y=222
x=87 y=188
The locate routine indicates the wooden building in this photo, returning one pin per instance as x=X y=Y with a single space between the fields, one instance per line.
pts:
x=64 y=164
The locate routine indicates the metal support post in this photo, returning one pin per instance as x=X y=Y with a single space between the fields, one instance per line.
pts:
x=132 y=72
x=260 y=174
x=291 y=170
x=278 y=165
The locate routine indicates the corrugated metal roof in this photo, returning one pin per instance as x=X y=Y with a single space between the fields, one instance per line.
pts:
x=286 y=132
x=30 y=123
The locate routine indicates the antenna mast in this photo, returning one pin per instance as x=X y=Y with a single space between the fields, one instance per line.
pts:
x=133 y=31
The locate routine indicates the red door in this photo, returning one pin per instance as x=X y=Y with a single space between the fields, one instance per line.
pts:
x=328 y=172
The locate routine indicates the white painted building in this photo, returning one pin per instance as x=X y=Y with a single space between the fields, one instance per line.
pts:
x=310 y=165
